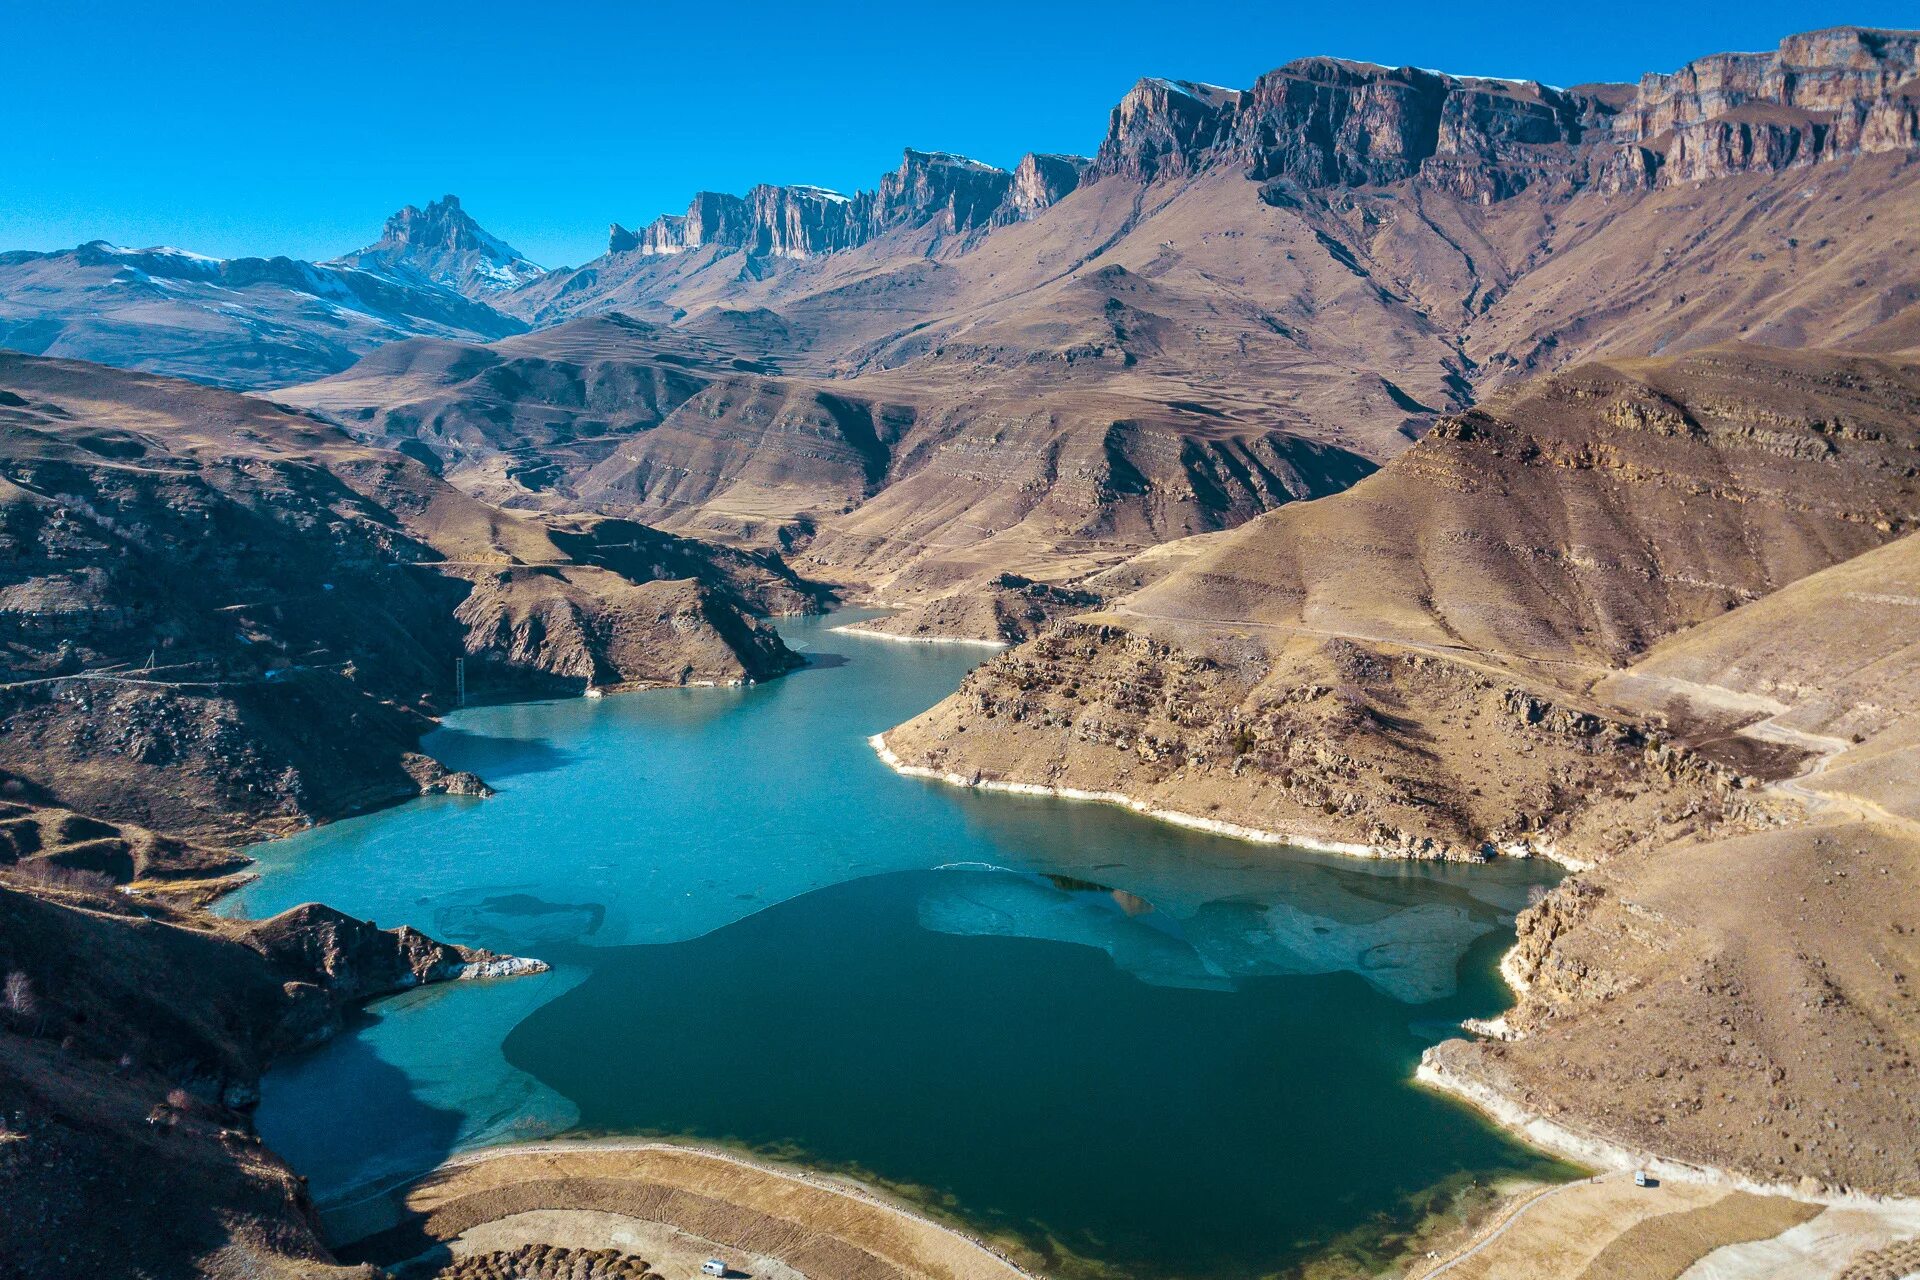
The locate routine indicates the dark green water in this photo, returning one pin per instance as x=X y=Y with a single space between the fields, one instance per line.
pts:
x=1123 y=1044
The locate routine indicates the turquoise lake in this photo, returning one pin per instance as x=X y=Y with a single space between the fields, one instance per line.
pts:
x=1131 y=1048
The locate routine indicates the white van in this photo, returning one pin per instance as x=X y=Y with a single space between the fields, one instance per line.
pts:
x=713 y=1267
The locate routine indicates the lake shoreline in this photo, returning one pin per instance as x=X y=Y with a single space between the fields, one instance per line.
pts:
x=1194 y=822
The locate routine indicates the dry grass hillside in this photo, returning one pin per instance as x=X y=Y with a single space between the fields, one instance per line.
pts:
x=1411 y=661
x=1584 y=515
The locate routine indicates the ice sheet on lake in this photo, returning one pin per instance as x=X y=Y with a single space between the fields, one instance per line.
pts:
x=1409 y=953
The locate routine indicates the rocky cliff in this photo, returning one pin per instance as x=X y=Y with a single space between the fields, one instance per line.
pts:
x=1165 y=127
x=948 y=194
x=1040 y=181
x=1327 y=122
x=1819 y=96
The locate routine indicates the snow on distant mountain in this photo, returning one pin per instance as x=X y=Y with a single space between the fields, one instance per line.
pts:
x=442 y=245
x=233 y=322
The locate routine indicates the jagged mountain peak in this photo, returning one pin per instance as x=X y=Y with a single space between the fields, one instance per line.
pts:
x=442 y=244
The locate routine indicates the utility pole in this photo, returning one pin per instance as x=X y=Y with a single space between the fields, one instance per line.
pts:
x=460 y=681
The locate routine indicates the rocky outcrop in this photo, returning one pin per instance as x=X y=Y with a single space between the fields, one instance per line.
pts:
x=1039 y=182
x=1004 y=609
x=949 y=194
x=334 y=961
x=442 y=245
x=1165 y=127
x=132 y=1041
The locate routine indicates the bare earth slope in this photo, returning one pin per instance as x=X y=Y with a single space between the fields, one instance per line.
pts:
x=1794 y=949
x=1345 y=669
x=893 y=481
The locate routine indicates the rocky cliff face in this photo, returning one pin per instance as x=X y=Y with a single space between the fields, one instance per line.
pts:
x=1326 y=122
x=1165 y=127
x=949 y=194
x=1040 y=181
x=1820 y=95
x=443 y=245
x=1321 y=122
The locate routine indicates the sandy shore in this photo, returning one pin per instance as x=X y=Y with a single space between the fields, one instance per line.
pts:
x=677 y=1202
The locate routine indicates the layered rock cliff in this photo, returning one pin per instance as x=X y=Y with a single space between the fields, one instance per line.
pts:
x=1040 y=181
x=1819 y=96
x=1327 y=122
x=947 y=193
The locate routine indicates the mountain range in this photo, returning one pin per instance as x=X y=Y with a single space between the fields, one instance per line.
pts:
x=1403 y=463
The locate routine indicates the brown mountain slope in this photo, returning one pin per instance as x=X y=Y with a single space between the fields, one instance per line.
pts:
x=1769 y=975
x=205 y=594
x=892 y=481
x=1346 y=669
x=1830 y=664
x=1584 y=515
x=924 y=387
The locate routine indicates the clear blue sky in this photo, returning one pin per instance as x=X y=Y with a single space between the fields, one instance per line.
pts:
x=297 y=127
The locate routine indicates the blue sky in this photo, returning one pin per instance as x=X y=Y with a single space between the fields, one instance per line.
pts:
x=296 y=128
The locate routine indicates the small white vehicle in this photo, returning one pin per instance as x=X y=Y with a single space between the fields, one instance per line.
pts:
x=713 y=1267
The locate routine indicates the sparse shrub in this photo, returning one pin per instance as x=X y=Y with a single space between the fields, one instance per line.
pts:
x=18 y=996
